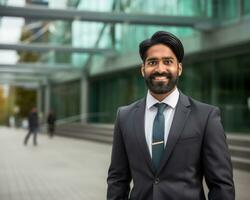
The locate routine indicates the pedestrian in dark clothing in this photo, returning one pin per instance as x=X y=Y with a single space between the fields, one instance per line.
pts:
x=33 y=126
x=51 y=119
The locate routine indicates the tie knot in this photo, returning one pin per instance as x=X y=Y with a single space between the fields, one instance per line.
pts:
x=161 y=107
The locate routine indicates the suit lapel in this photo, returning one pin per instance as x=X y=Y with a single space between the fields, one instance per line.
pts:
x=180 y=117
x=139 y=124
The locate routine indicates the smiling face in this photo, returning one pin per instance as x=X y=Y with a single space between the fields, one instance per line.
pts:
x=161 y=70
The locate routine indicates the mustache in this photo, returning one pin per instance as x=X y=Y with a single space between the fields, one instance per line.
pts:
x=167 y=75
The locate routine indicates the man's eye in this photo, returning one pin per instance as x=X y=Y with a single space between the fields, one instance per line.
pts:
x=167 y=62
x=152 y=62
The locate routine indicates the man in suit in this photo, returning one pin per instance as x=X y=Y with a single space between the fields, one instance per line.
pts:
x=167 y=142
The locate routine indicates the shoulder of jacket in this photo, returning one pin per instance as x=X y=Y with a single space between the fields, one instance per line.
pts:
x=202 y=105
x=130 y=107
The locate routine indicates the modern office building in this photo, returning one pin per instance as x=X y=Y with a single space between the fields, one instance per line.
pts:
x=89 y=64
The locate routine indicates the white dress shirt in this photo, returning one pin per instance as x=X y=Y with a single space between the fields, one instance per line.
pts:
x=151 y=111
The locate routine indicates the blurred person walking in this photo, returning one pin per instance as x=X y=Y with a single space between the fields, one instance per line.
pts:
x=33 y=126
x=167 y=142
x=51 y=121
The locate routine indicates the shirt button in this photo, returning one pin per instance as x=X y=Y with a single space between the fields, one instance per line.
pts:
x=157 y=180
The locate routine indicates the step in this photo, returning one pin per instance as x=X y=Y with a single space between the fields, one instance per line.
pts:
x=86 y=129
x=93 y=137
x=103 y=126
x=239 y=151
x=89 y=131
x=239 y=140
x=241 y=163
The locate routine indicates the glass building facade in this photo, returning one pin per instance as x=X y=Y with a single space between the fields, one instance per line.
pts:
x=65 y=99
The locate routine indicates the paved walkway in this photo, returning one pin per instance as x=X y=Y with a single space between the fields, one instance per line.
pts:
x=62 y=169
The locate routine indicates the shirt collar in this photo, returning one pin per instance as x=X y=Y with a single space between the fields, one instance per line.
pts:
x=171 y=100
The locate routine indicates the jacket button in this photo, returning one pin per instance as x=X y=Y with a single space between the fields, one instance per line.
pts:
x=157 y=180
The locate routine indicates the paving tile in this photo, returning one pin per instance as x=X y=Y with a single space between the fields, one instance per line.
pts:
x=58 y=168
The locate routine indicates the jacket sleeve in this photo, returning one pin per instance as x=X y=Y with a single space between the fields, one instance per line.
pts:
x=119 y=176
x=216 y=160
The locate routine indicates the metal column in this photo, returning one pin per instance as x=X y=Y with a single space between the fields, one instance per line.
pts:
x=84 y=99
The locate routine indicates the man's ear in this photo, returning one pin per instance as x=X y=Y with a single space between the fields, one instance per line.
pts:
x=179 y=69
x=142 y=69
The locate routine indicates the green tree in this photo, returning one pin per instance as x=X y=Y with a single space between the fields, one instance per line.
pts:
x=25 y=100
x=2 y=106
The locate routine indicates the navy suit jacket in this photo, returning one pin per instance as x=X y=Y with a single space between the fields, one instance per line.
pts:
x=196 y=148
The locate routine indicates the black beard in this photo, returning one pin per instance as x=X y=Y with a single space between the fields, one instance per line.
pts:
x=161 y=87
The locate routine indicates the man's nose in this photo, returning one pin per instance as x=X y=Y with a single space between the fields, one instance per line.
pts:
x=161 y=67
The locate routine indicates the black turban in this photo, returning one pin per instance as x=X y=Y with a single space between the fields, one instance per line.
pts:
x=165 y=38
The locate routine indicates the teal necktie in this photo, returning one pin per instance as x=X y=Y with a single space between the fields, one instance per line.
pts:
x=158 y=135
